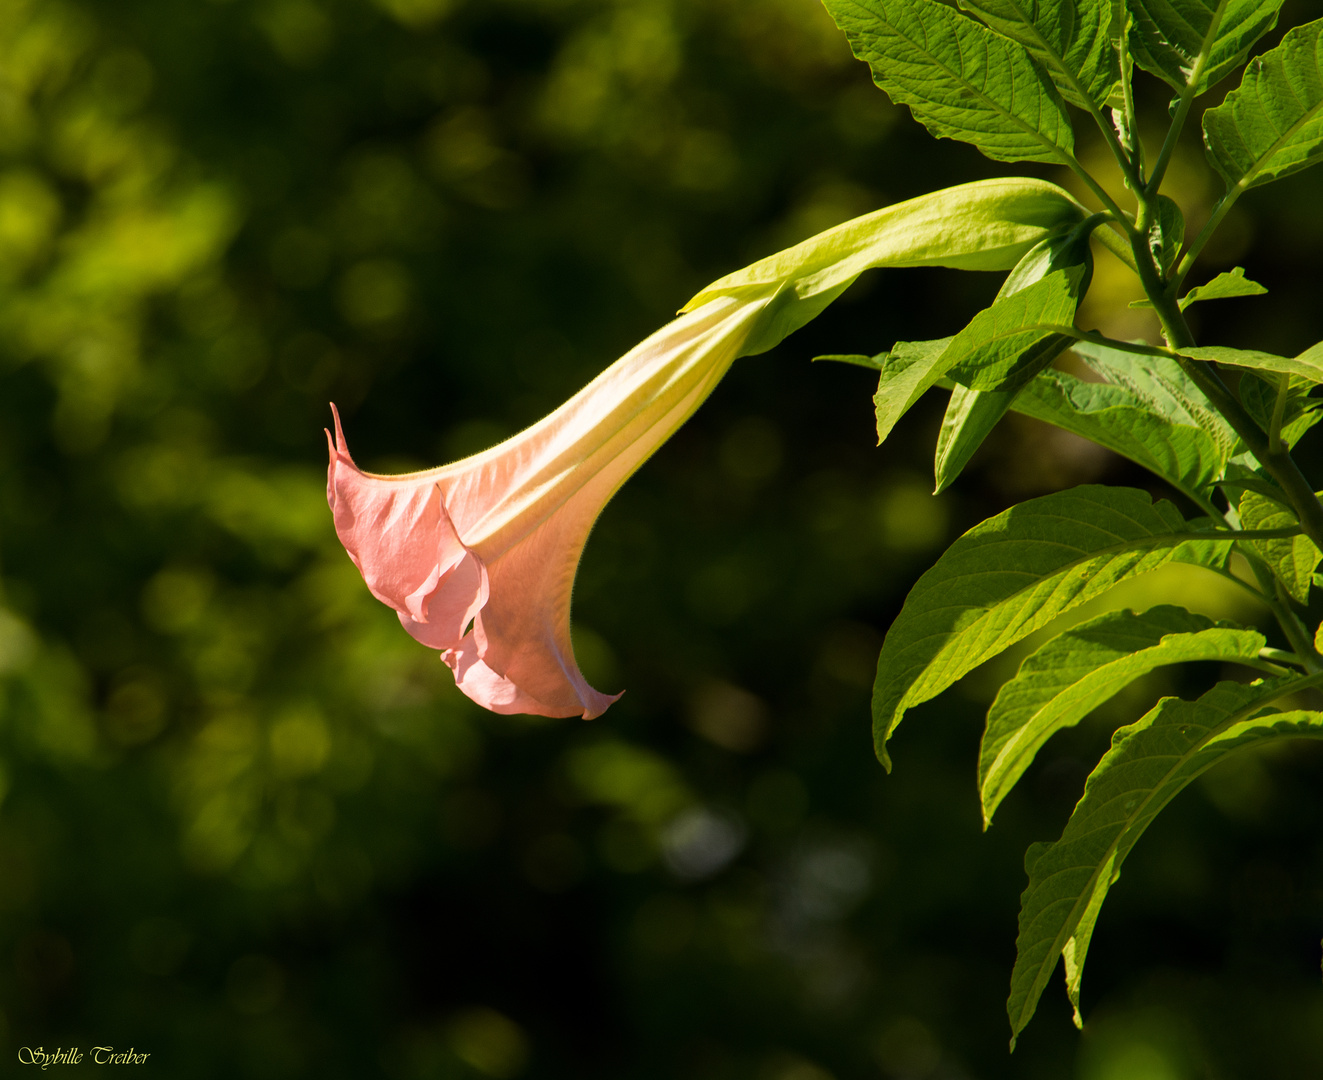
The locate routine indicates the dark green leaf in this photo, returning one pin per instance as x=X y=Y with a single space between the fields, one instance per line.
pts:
x=960 y=80
x=1077 y=671
x=1173 y=38
x=1011 y=575
x=1070 y=38
x=1149 y=763
x=1244 y=474
x=1293 y=559
x=1167 y=233
x=1300 y=413
x=1271 y=125
x=1119 y=419
x=910 y=369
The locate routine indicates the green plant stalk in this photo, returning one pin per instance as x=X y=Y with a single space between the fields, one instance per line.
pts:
x=1220 y=211
x=1296 y=633
x=1274 y=596
x=1276 y=459
x=1108 y=132
x=1278 y=414
x=1188 y=94
x=1281 y=466
x=1280 y=655
x=1070 y=161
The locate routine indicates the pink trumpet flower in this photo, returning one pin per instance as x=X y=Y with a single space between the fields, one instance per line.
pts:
x=478 y=558
x=494 y=540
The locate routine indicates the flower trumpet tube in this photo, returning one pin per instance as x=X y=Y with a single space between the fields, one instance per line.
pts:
x=495 y=539
x=478 y=558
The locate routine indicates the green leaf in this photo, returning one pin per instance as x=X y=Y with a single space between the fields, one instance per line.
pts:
x=1293 y=559
x=1148 y=764
x=873 y=363
x=908 y=371
x=1271 y=125
x=1070 y=38
x=1167 y=233
x=1301 y=412
x=1117 y=418
x=1007 y=344
x=1243 y=475
x=960 y=80
x=1077 y=671
x=1170 y=37
x=1225 y=285
x=970 y=416
x=1010 y=575
x=1308 y=365
x=1166 y=389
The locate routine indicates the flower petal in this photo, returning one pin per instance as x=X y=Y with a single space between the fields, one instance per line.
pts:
x=454 y=604
x=402 y=540
x=501 y=695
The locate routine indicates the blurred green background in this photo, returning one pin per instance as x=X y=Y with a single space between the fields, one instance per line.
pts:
x=249 y=826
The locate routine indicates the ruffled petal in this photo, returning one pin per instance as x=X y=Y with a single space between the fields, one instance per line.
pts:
x=454 y=604
x=401 y=539
x=497 y=693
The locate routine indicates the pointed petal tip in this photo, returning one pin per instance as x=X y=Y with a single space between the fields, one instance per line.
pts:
x=594 y=710
x=340 y=445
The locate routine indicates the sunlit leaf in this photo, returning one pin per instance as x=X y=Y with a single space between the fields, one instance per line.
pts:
x=1148 y=764
x=1010 y=575
x=908 y=371
x=1008 y=343
x=1170 y=37
x=960 y=80
x=970 y=416
x=1225 y=285
x=1077 y=671
x=1308 y=365
x=1271 y=125
x=1167 y=390
x=1070 y=38
x=1117 y=418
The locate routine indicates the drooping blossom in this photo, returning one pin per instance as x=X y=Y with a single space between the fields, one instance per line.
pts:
x=494 y=540
x=478 y=558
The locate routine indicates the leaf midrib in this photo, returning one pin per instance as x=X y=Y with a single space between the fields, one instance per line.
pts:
x=1034 y=133
x=1058 y=60
x=1206 y=46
